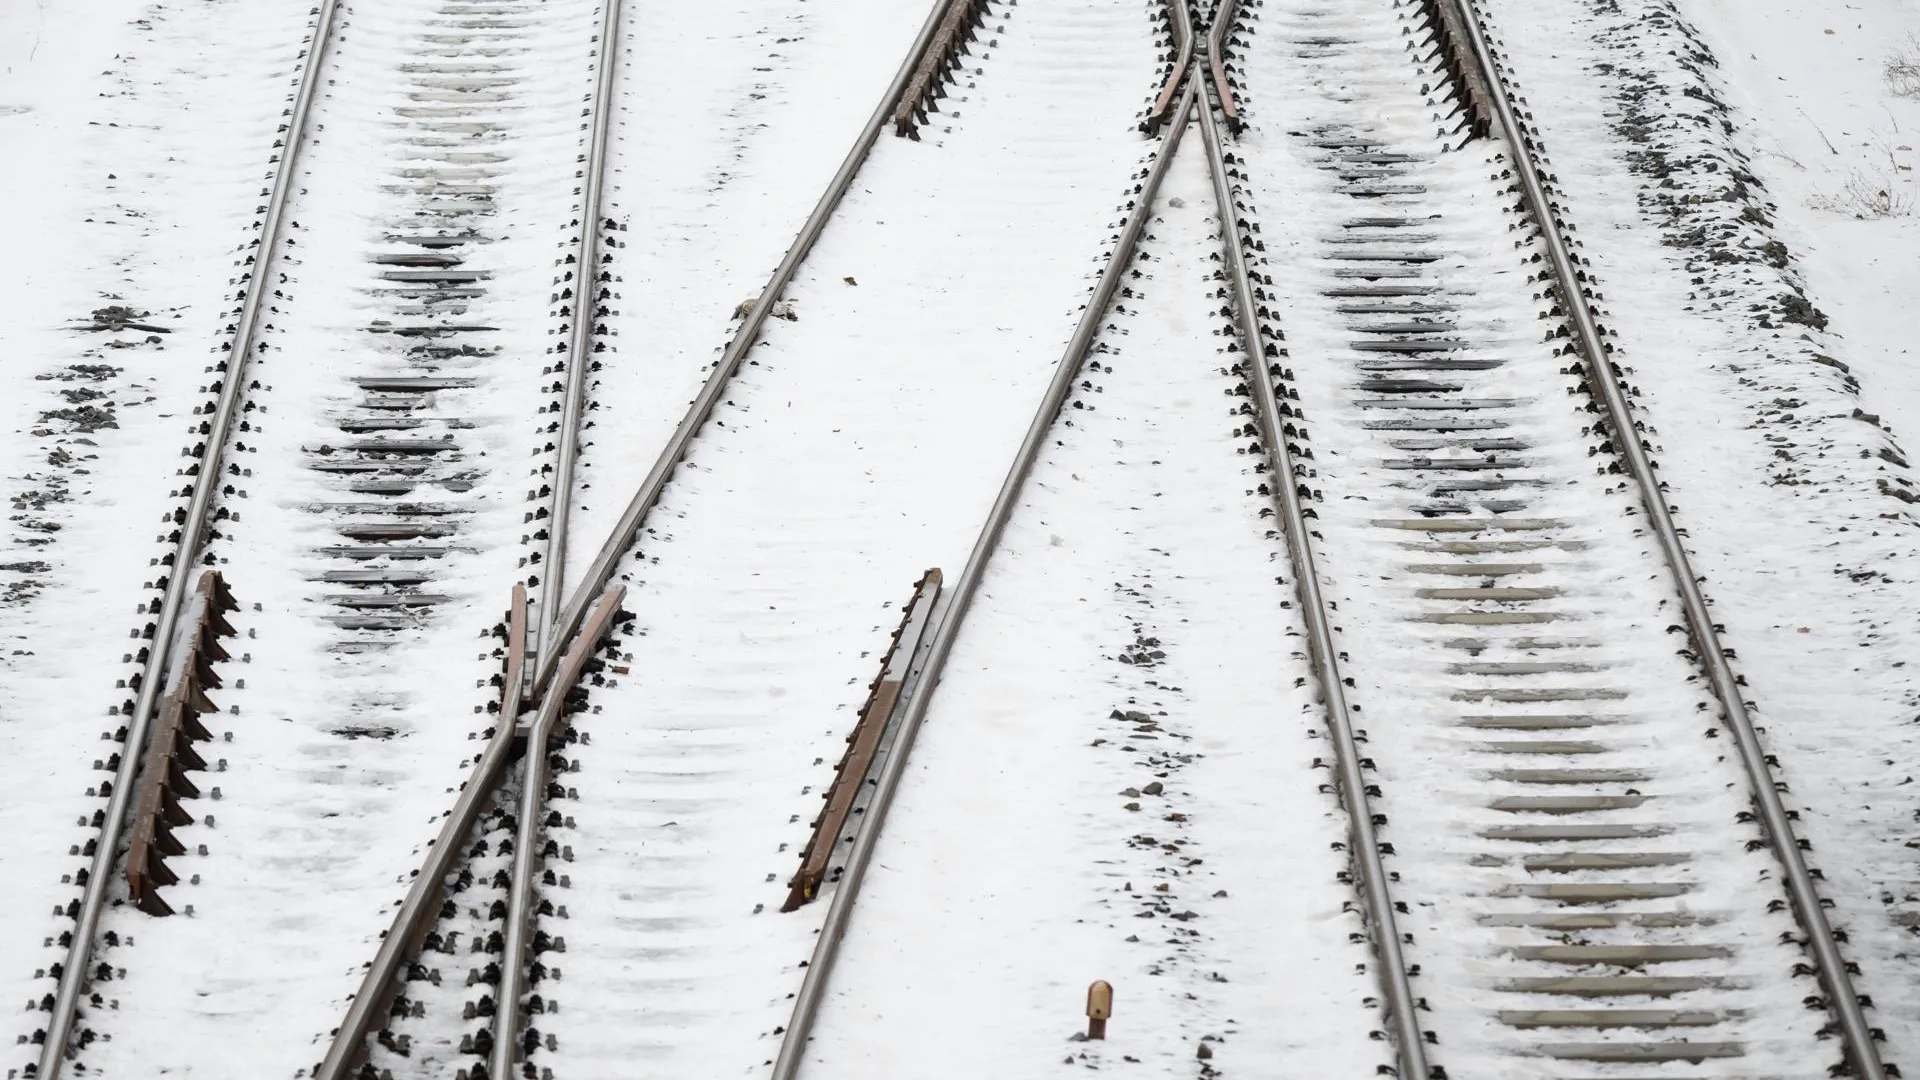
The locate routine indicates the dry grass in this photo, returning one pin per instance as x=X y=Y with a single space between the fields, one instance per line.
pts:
x=1902 y=70
x=1868 y=195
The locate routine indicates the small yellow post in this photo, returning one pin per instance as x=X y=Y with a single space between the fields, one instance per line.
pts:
x=1099 y=1008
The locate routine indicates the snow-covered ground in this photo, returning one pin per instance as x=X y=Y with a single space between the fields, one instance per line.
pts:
x=1705 y=152
x=1827 y=103
x=860 y=444
x=1118 y=777
x=130 y=179
x=1742 y=178
x=338 y=762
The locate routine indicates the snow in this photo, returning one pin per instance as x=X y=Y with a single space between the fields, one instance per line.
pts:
x=1133 y=579
x=335 y=765
x=135 y=187
x=1425 y=679
x=1829 y=133
x=1777 y=439
x=861 y=443
x=708 y=195
x=1134 y=628
x=339 y=763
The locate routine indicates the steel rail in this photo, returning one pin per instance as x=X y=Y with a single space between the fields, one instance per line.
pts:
x=1216 y=53
x=586 y=287
x=73 y=976
x=826 y=949
x=1162 y=106
x=864 y=744
x=514 y=979
x=1283 y=472
x=600 y=572
x=1857 y=1034
x=415 y=913
x=421 y=906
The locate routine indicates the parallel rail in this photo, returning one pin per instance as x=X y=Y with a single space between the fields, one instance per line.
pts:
x=586 y=294
x=1487 y=111
x=540 y=735
x=1605 y=379
x=417 y=911
x=1218 y=29
x=863 y=745
x=568 y=634
x=192 y=536
x=531 y=634
x=1366 y=853
x=620 y=540
x=1181 y=21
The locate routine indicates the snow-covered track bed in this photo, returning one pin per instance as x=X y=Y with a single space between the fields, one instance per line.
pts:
x=1117 y=777
x=1554 y=745
x=466 y=105
x=847 y=456
x=393 y=314
x=526 y=885
x=1780 y=388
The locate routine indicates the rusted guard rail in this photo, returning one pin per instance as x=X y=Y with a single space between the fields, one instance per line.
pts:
x=1222 y=25
x=929 y=82
x=170 y=755
x=876 y=716
x=1180 y=20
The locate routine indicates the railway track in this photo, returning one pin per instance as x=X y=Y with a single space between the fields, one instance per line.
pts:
x=393 y=470
x=1580 y=871
x=399 y=445
x=1481 y=551
x=195 y=522
x=498 y=880
x=1558 y=827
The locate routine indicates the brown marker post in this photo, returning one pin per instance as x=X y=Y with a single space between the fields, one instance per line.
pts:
x=1099 y=1008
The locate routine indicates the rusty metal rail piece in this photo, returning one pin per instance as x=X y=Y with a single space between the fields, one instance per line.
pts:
x=1863 y=1055
x=876 y=715
x=928 y=85
x=587 y=288
x=417 y=913
x=170 y=755
x=1284 y=483
x=924 y=674
x=1163 y=102
x=207 y=478
x=1217 y=32
x=513 y=679
x=547 y=725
